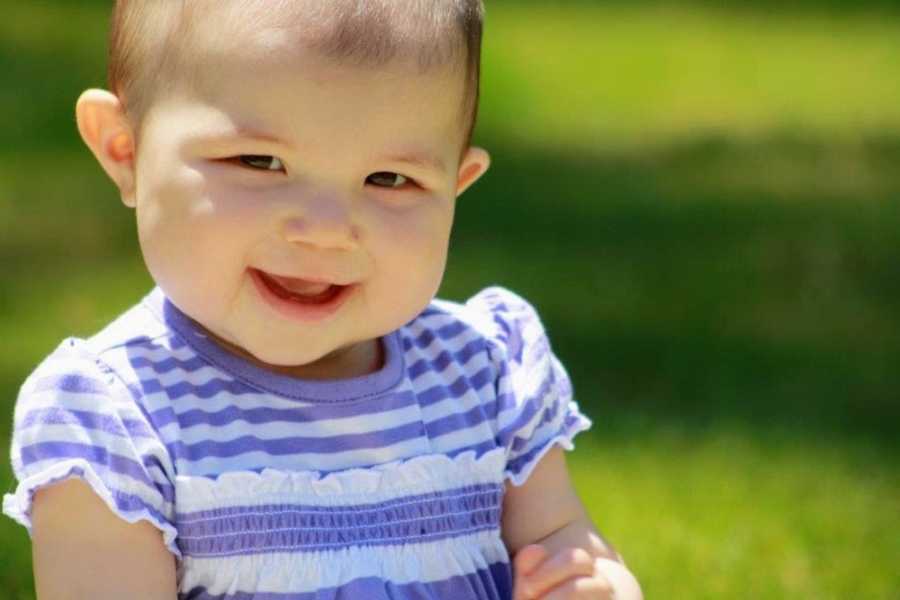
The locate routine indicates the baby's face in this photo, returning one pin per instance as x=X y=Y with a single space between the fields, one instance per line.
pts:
x=297 y=208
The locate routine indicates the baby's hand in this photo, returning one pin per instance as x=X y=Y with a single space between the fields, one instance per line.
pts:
x=570 y=574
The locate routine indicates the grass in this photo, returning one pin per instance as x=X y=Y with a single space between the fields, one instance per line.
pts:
x=701 y=201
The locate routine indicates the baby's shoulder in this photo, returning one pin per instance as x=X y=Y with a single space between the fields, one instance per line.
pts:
x=492 y=312
x=103 y=363
x=495 y=317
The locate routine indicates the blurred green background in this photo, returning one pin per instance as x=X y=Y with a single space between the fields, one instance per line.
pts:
x=702 y=201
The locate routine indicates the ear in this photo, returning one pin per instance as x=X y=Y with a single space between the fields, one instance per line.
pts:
x=474 y=164
x=105 y=129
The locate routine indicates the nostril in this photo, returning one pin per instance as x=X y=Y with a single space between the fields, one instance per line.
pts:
x=324 y=233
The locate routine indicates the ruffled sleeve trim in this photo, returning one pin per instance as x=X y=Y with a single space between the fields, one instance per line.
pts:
x=17 y=505
x=537 y=409
x=519 y=470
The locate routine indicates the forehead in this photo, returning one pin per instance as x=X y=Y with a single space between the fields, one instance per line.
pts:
x=223 y=39
x=370 y=33
x=272 y=78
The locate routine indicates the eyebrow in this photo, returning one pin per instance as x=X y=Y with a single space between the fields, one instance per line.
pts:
x=219 y=136
x=419 y=159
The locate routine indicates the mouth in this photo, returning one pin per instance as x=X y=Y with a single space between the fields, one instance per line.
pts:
x=299 y=290
x=297 y=298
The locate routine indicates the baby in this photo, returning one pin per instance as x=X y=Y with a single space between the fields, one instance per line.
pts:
x=290 y=413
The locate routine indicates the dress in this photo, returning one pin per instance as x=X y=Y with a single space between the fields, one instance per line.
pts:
x=269 y=487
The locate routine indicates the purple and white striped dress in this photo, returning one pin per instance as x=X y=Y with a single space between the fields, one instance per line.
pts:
x=269 y=487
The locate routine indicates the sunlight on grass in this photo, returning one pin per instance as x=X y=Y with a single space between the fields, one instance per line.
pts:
x=732 y=513
x=632 y=76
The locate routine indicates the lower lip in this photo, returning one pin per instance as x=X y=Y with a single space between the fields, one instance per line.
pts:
x=300 y=311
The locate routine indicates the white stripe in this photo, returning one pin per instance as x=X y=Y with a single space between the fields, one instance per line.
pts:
x=273 y=430
x=111 y=479
x=111 y=443
x=65 y=400
x=309 y=461
x=471 y=436
x=438 y=344
x=450 y=373
x=452 y=406
x=220 y=401
x=177 y=375
x=155 y=353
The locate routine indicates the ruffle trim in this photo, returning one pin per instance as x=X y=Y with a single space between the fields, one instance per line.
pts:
x=563 y=438
x=418 y=475
x=17 y=505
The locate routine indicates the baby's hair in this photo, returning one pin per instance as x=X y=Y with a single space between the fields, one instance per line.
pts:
x=148 y=38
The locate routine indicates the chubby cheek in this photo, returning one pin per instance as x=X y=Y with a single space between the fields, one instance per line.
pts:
x=194 y=237
x=411 y=251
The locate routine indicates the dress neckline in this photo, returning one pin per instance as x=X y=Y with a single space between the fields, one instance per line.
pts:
x=317 y=390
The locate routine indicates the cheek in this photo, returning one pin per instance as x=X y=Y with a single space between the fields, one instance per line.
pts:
x=193 y=233
x=414 y=243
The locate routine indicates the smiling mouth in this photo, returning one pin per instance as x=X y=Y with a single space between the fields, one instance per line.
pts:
x=299 y=290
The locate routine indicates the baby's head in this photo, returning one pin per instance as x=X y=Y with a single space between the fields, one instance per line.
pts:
x=156 y=45
x=294 y=164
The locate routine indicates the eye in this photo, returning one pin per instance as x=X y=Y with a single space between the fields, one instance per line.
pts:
x=261 y=162
x=387 y=179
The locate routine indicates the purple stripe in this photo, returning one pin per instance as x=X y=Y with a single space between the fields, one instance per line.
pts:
x=74 y=384
x=445 y=358
x=195 y=363
x=457 y=388
x=479 y=448
x=528 y=407
x=483 y=489
x=301 y=445
x=492 y=583
x=549 y=414
x=211 y=388
x=458 y=421
x=569 y=428
x=298 y=541
x=56 y=415
x=98 y=456
x=300 y=414
x=446 y=333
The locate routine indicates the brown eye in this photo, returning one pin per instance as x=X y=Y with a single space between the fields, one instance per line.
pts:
x=386 y=179
x=261 y=162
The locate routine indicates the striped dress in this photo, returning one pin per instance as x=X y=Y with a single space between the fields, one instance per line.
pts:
x=266 y=486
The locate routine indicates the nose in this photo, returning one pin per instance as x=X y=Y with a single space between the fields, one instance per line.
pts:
x=322 y=221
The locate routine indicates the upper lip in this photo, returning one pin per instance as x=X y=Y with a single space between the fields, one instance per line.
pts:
x=312 y=278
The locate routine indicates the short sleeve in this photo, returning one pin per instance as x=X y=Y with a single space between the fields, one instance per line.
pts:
x=75 y=418
x=536 y=409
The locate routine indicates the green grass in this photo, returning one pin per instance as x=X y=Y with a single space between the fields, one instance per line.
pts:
x=610 y=75
x=702 y=202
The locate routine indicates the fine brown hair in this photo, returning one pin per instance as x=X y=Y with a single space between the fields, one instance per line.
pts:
x=149 y=37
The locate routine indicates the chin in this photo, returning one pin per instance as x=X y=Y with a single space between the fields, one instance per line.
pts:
x=286 y=357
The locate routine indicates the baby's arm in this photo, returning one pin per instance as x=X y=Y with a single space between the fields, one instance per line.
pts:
x=558 y=553
x=82 y=551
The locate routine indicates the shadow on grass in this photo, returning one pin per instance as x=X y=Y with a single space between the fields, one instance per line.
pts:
x=671 y=293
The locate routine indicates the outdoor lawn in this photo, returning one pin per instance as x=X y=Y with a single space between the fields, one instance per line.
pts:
x=703 y=202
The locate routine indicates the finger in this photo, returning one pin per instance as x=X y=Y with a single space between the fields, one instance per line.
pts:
x=565 y=564
x=525 y=561
x=529 y=558
x=620 y=579
x=582 y=588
